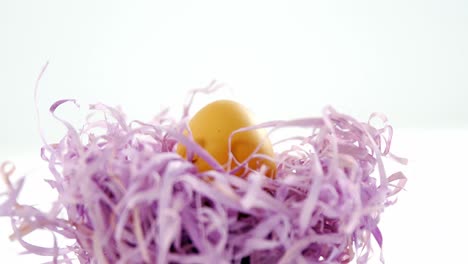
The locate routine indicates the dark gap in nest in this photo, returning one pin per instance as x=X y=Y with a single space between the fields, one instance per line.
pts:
x=245 y=260
x=207 y=202
x=326 y=226
x=241 y=216
x=186 y=245
x=245 y=223
x=130 y=244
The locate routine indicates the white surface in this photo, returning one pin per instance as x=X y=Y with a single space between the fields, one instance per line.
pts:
x=428 y=224
x=407 y=59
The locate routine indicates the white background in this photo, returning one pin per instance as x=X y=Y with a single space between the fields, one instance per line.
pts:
x=407 y=59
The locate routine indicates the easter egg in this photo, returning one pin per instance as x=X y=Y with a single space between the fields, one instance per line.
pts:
x=211 y=128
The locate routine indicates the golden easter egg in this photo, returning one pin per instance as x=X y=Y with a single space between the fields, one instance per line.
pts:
x=211 y=128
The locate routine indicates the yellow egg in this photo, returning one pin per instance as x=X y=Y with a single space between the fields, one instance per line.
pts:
x=211 y=128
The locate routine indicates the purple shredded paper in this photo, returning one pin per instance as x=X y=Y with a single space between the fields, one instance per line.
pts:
x=129 y=198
